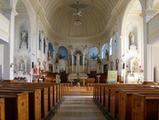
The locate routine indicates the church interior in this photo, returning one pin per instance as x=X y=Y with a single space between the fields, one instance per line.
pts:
x=79 y=60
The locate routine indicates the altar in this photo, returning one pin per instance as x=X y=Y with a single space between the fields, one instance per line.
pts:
x=81 y=76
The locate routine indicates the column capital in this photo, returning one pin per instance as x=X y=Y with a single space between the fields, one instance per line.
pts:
x=14 y=12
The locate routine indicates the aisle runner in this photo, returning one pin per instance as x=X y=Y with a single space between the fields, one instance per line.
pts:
x=78 y=108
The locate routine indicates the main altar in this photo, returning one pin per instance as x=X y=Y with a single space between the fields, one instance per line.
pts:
x=81 y=76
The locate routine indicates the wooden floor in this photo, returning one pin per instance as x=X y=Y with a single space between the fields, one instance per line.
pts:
x=78 y=108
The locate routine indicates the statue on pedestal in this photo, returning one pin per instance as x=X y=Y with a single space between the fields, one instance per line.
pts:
x=131 y=40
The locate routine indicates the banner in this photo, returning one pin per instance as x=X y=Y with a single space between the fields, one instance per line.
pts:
x=112 y=77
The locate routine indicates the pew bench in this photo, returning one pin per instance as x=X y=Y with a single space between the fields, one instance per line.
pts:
x=16 y=106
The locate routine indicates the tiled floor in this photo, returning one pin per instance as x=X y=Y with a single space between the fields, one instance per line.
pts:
x=78 y=108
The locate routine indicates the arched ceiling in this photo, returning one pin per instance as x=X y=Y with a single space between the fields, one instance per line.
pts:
x=94 y=18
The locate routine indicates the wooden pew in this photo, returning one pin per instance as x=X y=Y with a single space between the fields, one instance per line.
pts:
x=16 y=106
x=51 y=94
x=145 y=107
x=114 y=96
x=125 y=102
x=111 y=96
x=34 y=100
x=2 y=109
x=44 y=94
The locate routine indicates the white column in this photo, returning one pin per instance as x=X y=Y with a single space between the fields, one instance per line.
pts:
x=83 y=62
x=11 y=42
x=72 y=62
x=145 y=38
x=149 y=63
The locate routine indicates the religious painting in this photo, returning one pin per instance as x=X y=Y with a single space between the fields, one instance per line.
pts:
x=105 y=51
x=40 y=39
x=93 y=53
x=63 y=53
x=44 y=45
x=50 y=52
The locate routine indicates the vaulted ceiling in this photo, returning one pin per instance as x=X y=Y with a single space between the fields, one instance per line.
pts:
x=94 y=18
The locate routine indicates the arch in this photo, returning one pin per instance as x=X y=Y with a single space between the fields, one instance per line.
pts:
x=132 y=41
x=63 y=53
x=24 y=35
x=133 y=5
x=30 y=11
x=31 y=16
x=127 y=9
x=93 y=53
x=22 y=27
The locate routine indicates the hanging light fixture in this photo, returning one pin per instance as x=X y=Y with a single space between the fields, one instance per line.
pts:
x=77 y=22
x=78 y=12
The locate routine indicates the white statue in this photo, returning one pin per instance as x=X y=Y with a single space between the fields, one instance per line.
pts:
x=131 y=39
x=24 y=38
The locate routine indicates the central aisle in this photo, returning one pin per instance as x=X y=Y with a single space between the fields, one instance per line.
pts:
x=78 y=108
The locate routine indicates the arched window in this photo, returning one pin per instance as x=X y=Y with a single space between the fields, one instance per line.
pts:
x=93 y=53
x=50 y=51
x=111 y=47
x=63 y=53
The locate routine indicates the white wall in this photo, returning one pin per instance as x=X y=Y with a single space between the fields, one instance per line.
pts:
x=153 y=47
x=155 y=61
x=6 y=75
x=153 y=29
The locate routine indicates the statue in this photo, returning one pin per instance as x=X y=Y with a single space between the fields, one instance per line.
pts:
x=107 y=54
x=134 y=65
x=24 y=38
x=131 y=39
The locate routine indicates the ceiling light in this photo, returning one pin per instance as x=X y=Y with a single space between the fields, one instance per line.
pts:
x=77 y=22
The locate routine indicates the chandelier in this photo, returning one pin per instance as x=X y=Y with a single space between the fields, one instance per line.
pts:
x=77 y=22
x=77 y=7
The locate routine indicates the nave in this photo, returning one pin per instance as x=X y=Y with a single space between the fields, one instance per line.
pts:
x=78 y=108
x=54 y=51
